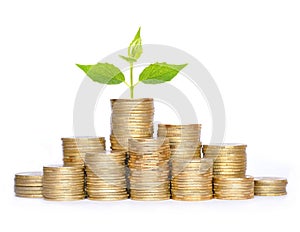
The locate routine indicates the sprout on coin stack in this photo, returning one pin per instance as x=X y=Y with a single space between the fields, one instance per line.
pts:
x=62 y=183
x=106 y=176
x=149 y=169
x=270 y=186
x=29 y=184
x=192 y=180
x=74 y=149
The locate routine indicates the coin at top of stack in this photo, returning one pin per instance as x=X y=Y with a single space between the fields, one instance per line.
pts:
x=149 y=169
x=130 y=118
x=29 y=184
x=74 y=149
x=106 y=176
x=193 y=179
x=270 y=186
x=230 y=159
x=184 y=140
x=61 y=183
x=233 y=188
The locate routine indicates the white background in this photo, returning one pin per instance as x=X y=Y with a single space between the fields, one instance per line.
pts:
x=252 y=50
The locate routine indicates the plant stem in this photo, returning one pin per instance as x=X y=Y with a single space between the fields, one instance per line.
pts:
x=131 y=80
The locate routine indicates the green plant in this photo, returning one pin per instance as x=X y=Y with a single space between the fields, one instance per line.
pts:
x=109 y=74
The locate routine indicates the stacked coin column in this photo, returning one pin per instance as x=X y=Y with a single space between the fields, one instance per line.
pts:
x=63 y=183
x=185 y=145
x=192 y=180
x=130 y=119
x=106 y=176
x=29 y=184
x=149 y=169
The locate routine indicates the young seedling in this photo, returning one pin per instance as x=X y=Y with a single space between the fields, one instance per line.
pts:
x=109 y=74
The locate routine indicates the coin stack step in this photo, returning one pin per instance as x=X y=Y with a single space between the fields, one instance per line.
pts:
x=149 y=169
x=229 y=159
x=130 y=118
x=29 y=184
x=233 y=188
x=184 y=140
x=62 y=183
x=105 y=176
x=192 y=180
x=270 y=186
x=74 y=149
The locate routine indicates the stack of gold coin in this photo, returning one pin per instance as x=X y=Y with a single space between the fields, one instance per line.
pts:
x=230 y=159
x=234 y=188
x=131 y=118
x=192 y=180
x=29 y=184
x=149 y=169
x=74 y=149
x=270 y=186
x=105 y=176
x=62 y=183
x=184 y=140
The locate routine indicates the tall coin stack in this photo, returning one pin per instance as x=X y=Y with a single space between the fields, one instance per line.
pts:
x=105 y=176
x=62 y=183
x=149 y=169
x=130 y=118
x=29 y=184
x=229 y=159
x=234 y=188
x=74 y=149
x=270 y=186
x=193 y=181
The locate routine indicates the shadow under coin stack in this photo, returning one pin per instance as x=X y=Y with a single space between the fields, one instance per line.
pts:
x=192 y=180
x=130 y=118
x=62 y=183
x=233 y=188
x=74 y=149
x=29 y=184
x=149 y=169
x=105 y=176
x=230 y=160
x=270 y=186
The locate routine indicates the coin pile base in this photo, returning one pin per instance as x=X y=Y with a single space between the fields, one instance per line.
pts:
x=270 y=186
x=29 y=184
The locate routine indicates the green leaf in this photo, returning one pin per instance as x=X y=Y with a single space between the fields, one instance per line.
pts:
x=135 y=48
x=128 y=59
x=103 y=73
x=84 y=68
x=160 y=72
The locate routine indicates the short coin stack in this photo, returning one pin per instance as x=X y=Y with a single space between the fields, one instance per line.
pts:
x=105 y=176
x=130 y=118
x=62 y=183
x=29 y=184
x=270 y=186
x=229 y=159
x=193 y=179
x=234 y=188
x=74 y=149
x=149 y=169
